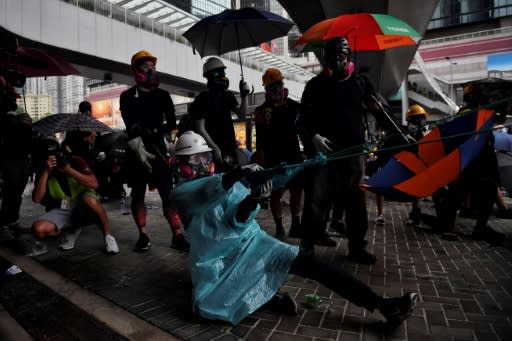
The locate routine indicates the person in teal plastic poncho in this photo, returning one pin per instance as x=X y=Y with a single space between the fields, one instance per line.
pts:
x=235 y=266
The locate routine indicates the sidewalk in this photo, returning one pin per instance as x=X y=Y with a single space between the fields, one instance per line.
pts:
x=465 y=286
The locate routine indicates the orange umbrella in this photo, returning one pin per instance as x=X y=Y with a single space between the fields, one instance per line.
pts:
x=364 y=31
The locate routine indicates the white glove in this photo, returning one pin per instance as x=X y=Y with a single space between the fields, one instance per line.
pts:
x=143 y=155
x=322 y=144
x=101 y=156
x=252 y=167
x=262 y=192
x=244 y=88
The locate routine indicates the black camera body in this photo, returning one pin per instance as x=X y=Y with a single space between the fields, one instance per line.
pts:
x=56 y=150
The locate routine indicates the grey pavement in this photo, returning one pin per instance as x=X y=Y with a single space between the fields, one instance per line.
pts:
x=465 y=286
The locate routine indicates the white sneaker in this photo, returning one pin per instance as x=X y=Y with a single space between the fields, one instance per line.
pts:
x=380 y=219
x=68 y=240
x=111 y=244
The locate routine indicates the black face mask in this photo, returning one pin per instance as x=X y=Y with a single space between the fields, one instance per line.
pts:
x=218 y=84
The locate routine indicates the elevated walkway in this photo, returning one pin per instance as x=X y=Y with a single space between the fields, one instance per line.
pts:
x=100 y=37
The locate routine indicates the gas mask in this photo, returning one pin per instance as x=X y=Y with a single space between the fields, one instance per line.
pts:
x=417 y=124
x=276 y=92
x=196 y=166
x=340 y=66
x=217 y=80
x=148 y=80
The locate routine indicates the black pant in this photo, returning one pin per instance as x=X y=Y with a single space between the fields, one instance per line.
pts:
x=15 y=175
x=482 y=191
x=336 y=279
x=323 y=184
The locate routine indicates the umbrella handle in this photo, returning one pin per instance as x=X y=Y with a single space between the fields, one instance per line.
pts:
x=239 y=54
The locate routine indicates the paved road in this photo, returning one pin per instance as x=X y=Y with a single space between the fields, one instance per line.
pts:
x=465 y=286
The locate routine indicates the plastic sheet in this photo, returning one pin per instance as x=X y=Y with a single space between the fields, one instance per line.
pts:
x=235 y=267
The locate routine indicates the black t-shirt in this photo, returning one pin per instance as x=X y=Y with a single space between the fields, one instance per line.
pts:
x=276 y=132
x=334 y=110
x=150 y=115
x=16 y=138
x=215 y=108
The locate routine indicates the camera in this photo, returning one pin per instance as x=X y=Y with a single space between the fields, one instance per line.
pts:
x=56 y=150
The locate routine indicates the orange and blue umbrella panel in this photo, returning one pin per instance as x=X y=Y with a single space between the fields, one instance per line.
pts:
x=440 y=158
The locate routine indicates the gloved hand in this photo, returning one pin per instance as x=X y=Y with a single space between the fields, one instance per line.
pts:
x=244 y=88
x=101 y=156
x=251 y=167
x=322 y=144
x=262 y=191
x=143 y=155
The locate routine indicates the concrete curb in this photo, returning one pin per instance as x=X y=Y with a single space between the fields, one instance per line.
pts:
x=103 y=310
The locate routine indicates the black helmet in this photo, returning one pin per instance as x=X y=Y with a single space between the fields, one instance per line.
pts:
x=337 y=46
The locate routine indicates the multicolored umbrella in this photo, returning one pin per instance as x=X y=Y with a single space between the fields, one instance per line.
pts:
x=364 y=31
x=441 y=156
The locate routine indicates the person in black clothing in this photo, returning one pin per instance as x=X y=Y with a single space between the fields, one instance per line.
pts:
x=480 y=180
x=148 y=113
x=277 y=141
x=16 y=143
x=212 y=109
x=331 y=119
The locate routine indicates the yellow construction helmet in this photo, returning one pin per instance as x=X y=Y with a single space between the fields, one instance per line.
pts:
x=140 y=57
x=415 y=110
x=272 y=75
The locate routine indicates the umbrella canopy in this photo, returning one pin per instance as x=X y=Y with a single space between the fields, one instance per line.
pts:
x=441 y=157
x=35 y=62
x=233 y=30
x=365 y=32
x=493 y=89
x=386 y=69
x=59 y=123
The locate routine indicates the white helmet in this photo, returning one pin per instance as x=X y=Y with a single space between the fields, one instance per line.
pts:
x=212 y=64
x=191 y=143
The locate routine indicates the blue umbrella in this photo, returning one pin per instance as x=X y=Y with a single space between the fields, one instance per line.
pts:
x=233 y=30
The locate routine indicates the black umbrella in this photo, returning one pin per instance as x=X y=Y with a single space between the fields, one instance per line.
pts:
x=59 y=123
x=233 y=30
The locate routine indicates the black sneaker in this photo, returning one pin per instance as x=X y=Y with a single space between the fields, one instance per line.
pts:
x=143 y=243
x=296 y=231
x=280 y=233
x=339 y=227
x=397 y=309
x=180 y=243
x=449 y=236
x=361 y=256
x=325 y=240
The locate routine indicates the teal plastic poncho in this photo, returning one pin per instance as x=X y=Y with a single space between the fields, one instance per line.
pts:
x=235 y=267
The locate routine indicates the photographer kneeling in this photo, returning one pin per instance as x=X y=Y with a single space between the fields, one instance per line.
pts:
x=65 y=185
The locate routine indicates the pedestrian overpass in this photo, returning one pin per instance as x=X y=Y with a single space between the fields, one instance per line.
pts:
x=99 y=38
